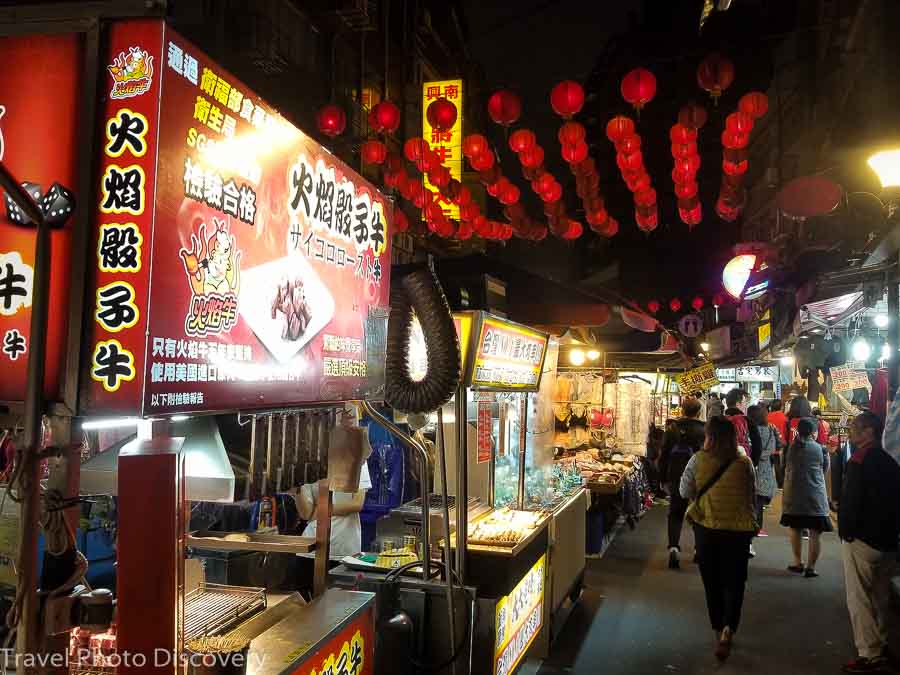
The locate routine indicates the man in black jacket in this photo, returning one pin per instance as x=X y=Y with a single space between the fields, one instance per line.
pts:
x=679 y=444
x=869 y=526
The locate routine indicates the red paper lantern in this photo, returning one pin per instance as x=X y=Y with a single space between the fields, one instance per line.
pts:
x=573 y=230
x=504 y=107
x=646 y=223
x=697 y=303
x=465 y=231
x=483 y=161
x=619 y=127
x=675 y=305
x=384 y=117
x=509 y=195
x=553 y=193
x=393 y=162
x=533 y=157
x=464 y=196
x=637 y=181
x=401 y=222
x=681 y=135
x=718 y=300
x=692 y=116
x=645 y=197
x=544 y=181
x=631 y=143
x=638 y=87
x=734 y=141
x=575 y=153
x=686 y=190
x=612 y=227
x=571 y=133
x=691 y=216
x=474 y=144
x=755 y=104
x=331 y=120
x=597 y=217
x=653 y=306
x=415 y=149
x=680 y=177
x=715 y=74
x=480 y=225
x=739 y=123
x=632 y=162
x=441 y=114
x=727 y=213
x=439 y=177
x=489 y=176
x=521 y=140
x=373 y=152
x=685 y=150
x=567 y=98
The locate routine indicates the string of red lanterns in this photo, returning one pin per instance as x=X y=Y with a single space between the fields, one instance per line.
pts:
x=620 y=130
x=567 y=99
x=735 y=139
x=686 y=162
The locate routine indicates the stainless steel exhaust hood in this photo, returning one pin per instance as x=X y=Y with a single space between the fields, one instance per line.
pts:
x=208 y=473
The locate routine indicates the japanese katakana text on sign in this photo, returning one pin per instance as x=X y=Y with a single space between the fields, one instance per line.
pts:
x=508 y=356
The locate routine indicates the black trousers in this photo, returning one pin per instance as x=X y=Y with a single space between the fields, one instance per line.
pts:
x=677 y=507
x=724 y=556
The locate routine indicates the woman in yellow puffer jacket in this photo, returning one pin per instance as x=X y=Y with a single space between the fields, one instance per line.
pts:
x=721 y=483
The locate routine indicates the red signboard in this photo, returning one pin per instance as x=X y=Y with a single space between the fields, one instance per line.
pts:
x=126 y=195
x=270 y=257
x=352 y=651
x=42 y=77
x=485 y=426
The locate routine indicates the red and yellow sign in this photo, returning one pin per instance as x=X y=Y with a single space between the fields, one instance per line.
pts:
x=39 y=143
x=508 y=356
x=350 y=652
x=270 y=257
x=447 y=144
x=698 y=379
x=518 y=620
x=463 y=323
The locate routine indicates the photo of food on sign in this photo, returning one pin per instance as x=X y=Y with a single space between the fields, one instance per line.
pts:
x=272 y=283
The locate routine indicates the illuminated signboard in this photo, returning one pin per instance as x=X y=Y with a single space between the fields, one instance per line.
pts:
x=447 y=144
x=270 y=257
x=508 y=356
x=39 y=141
x=518 y=619
x=698 y=379
x=351 y=651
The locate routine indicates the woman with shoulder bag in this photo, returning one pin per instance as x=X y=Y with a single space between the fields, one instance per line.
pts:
x=720 y=481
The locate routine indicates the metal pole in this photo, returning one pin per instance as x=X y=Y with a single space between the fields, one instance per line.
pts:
x=894 y=337
x=462 y=485
x=448 y=556
x=28 y=639
x=417 y=447
x=523 y=422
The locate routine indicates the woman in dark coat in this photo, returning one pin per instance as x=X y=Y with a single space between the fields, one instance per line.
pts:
x=805 y=501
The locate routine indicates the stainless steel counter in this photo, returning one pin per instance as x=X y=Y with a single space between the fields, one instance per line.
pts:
x=305 y=631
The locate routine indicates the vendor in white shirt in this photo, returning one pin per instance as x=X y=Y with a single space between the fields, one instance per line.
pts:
x=346 y=531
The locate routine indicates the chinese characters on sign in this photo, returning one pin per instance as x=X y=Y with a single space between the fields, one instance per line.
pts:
x=350 y=652
x=846 y=379
x=485 y=427
x=519 y=617
x=447 y=144
x=698 y=379
x=508 y=356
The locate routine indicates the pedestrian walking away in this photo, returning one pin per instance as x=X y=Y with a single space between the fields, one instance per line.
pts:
x=869 y=526
x=682 y=440
x=805 y=502
x=770 y=442
x=720 y=481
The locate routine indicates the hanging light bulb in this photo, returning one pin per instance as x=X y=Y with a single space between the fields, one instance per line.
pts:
x=862 y=350
x=881 y=320
x=576 y=357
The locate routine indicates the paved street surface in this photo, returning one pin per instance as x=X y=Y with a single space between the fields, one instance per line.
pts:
x=639 y=618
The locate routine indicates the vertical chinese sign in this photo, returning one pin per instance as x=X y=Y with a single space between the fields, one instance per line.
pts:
x=39 y=95
x=126 y=187
x=447 y=144
x=485 y=427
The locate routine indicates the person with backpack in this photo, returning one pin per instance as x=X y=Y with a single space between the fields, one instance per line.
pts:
x=681 y=442
x=720 y=481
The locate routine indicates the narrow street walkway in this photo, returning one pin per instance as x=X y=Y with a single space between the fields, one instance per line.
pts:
x=637 y=617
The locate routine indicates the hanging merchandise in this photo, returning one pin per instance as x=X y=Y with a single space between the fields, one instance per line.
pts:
x=331 y=120
x=638 y=88
x=504 y=107
x=715 y=74
x=735 y=139
x=620 y=130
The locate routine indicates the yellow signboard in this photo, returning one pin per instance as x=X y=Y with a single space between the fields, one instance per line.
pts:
x=508 y=356
x=463 y=323
x=698 y=379
x=518 y=620
x=765 y=330
x=447 y=144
